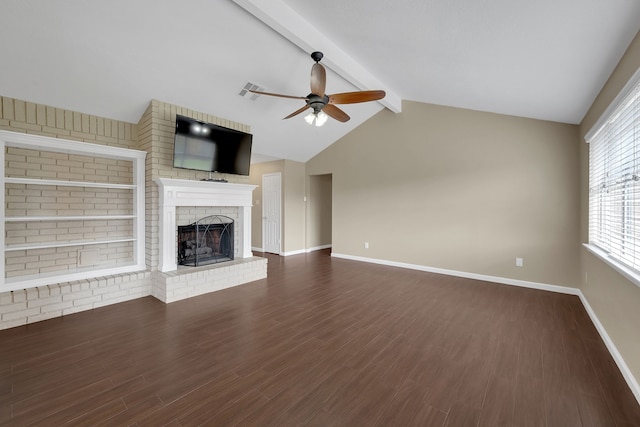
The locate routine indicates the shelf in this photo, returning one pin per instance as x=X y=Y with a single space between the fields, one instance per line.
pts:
x=37 y=181
x=134 y=235
x=67 y=218
x=27 y=247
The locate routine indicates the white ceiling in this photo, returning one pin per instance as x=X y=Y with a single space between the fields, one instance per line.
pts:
x=544 y=59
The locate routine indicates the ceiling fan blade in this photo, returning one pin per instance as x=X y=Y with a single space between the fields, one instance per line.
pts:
x=318 y=79
x=278 y=95
x=295 y=113
x=355 y=97
x=336 y=113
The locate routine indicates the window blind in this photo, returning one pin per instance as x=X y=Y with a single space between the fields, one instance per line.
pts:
x=614 y=182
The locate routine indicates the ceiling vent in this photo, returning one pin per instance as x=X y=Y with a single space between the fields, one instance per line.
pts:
x=250 y=86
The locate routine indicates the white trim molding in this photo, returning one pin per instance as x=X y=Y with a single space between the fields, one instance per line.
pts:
x=495 y=279
x=182 y=192
x=613 y=350
x=60 y=145
x=632 y=382
x=298 y=252
x=625 y=271
x=318 y=248
x=305 y=251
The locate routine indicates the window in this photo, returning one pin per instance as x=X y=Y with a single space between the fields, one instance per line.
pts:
x=614 y=181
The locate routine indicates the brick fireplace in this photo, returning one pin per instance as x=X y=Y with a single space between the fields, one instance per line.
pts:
x=176 y=283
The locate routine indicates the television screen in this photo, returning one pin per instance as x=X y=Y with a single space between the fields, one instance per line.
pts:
x=211 y=148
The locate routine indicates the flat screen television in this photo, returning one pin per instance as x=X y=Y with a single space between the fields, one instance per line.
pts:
x=211 y=148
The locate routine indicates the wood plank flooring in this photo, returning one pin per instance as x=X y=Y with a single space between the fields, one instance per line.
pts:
x=320 y=342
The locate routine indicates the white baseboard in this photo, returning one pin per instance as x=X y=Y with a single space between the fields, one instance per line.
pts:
x=617 y=357
x=257 y=249
x=298 y=252
x=318 y=248
x=494 y=279
x=304 y=251
x=613 y=350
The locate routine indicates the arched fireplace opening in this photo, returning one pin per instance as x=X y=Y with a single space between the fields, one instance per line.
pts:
x=206 y=241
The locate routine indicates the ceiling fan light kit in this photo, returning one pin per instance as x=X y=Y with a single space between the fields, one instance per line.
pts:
x=317 y=119
x=323 y=105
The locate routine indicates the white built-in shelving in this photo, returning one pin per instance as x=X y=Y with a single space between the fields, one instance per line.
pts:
x=136 y=235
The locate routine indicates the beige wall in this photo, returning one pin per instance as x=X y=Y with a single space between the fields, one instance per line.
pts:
x=319 y=207
x=293 y=207
x=294 y=216
x=615 y=300
x=460 y=190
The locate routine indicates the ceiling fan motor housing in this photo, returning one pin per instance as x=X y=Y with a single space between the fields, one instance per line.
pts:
x=317 y=102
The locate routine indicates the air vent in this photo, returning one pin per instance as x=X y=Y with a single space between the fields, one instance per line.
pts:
x=250 y=86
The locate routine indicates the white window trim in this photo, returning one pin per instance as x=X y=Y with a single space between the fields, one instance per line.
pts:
x=606 y=115
x=629 y=273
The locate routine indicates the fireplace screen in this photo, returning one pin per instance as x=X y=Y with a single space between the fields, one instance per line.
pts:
x=208 y=240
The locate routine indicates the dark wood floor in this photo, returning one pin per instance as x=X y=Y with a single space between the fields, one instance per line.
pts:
x=321 y=342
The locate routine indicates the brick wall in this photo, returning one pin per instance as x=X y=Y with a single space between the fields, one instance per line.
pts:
x=45 y=302
x=154 y=134
x=157 y=130
x=37 y=119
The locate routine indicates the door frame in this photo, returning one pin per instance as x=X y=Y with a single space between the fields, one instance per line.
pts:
x=264 y=217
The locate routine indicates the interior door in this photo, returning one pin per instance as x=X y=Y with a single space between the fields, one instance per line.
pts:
x=271 y=208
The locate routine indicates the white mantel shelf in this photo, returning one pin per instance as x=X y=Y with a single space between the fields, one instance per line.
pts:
x=183 y=192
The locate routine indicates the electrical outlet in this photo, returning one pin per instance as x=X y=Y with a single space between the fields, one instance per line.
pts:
x=366 y=245
x=519 y=262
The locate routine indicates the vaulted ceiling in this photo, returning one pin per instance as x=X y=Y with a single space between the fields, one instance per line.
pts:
x=544 y=59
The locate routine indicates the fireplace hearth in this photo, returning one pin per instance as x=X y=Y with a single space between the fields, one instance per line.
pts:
x=206 y=241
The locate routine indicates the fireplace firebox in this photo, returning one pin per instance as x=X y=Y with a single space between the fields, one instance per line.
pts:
x=206 y=241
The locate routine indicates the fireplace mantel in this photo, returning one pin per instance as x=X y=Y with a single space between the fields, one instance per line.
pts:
x=183 y=192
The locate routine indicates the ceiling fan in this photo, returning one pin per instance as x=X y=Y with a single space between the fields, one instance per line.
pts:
x=323 y=105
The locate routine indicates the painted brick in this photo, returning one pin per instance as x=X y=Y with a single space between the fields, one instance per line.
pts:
x=58 y=307
x=54 y=290
x=39 y=302
x=41 y=114
x=76 y=309
x=14 y=307
x=44 y=316
x=6 y=324
x=7 y=108
x=6 y=298
x=77 y=295
x=114 y=300
x=19 y=296
x=89 y=301
x=21 y=314
x=30 y=112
